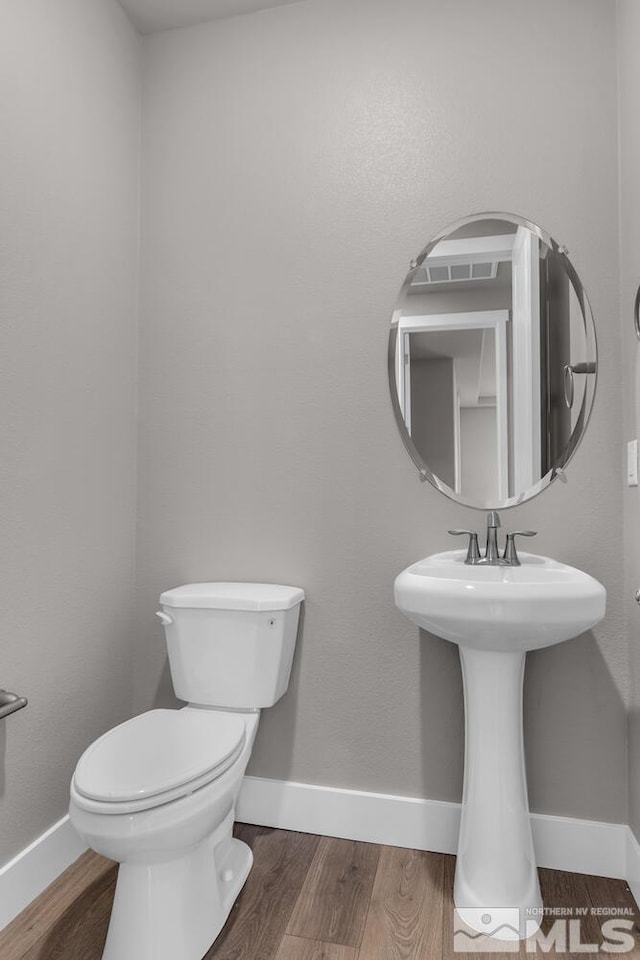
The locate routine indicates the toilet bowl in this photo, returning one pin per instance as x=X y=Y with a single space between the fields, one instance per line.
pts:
x=157 y=793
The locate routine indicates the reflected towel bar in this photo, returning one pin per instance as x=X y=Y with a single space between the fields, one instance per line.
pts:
x=10 y=703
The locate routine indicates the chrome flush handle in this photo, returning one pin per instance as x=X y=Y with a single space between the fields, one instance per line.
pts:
x=10 y=703
x=473 y=551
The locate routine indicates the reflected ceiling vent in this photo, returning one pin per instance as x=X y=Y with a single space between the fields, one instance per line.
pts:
x=454 y=272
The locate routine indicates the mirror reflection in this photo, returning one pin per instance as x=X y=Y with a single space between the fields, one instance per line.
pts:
x=492 y=361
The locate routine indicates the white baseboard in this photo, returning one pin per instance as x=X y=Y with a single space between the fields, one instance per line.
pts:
x=350 y=814
x=633 y=864
x=580 y=846
x=34 y=868
x=561 y=843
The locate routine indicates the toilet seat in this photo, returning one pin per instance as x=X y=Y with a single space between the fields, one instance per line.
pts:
x=157 y=757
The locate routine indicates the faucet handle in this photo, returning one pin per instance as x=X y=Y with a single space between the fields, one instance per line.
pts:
x=510 y=553
x=473 y=551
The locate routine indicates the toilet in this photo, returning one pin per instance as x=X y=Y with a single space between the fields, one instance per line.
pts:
x=158 y=792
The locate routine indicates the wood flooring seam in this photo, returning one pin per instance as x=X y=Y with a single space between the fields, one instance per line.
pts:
x=370 y=901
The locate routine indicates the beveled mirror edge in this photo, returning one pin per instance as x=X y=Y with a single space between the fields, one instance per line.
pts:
x=558 y=469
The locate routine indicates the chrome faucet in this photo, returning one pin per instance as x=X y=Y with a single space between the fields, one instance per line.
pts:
x=491 y=552
x=492 y=556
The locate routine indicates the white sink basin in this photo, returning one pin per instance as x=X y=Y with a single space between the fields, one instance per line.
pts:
x=496 y=614
x=520 y=608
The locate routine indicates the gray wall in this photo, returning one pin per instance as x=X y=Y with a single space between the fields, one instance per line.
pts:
x=69 y=108
x=628 y=92
x=432 y=415
x=479 y=453
x=468 y=296
x=294 y=161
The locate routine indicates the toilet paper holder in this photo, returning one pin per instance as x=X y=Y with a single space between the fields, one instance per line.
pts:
x=10 y=703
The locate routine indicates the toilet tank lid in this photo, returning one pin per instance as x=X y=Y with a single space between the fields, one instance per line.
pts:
x=233 y=596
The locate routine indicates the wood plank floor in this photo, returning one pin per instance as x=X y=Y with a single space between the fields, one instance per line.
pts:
x=317 y=898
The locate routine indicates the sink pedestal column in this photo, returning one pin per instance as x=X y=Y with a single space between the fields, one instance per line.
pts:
x=496 y=883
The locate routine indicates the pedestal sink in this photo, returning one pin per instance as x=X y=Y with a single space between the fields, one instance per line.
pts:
x=495 y=614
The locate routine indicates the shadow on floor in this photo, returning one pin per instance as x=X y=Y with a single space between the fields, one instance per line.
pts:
x=80 y=933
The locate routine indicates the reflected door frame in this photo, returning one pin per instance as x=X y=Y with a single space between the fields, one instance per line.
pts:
x=475 y=320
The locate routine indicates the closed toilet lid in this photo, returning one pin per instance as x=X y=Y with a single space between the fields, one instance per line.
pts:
x=157 y=752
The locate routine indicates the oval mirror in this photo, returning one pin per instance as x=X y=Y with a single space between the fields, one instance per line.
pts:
x=492 y=361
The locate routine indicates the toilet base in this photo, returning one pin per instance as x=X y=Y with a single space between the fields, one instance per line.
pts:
x=177 y=908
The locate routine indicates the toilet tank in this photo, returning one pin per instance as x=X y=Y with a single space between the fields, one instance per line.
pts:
x=231 y=644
